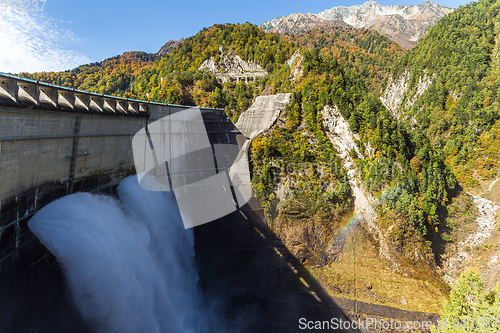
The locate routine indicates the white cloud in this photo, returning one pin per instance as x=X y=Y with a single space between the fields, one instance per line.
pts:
x=33 y=42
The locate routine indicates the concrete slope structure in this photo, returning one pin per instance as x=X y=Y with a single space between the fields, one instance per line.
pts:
x=262 y=114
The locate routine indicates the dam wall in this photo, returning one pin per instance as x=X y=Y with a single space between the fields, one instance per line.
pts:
x=47 y=154
x=55 y=141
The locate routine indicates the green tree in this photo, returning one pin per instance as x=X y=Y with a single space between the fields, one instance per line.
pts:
x=471 y=307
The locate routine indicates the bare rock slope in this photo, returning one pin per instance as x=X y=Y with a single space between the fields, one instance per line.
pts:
x=344 y=141
x=397 y=91
x=168 y=47
x=295 y=63
x=485 y=222
x=232 y=66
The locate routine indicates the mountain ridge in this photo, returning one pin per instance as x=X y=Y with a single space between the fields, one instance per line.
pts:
x=168 y=47
x=402 y=24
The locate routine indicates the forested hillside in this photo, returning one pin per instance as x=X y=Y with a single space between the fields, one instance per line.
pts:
x=176 y=79
x=461 y=108
x=111 y=76
x=366 y=52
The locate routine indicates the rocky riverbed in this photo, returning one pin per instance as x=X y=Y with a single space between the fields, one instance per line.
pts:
x=485 y=225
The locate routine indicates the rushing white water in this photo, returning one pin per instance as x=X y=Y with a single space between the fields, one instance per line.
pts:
x=129 y=263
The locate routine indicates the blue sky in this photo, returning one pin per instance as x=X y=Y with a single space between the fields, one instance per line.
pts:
x=69 y=33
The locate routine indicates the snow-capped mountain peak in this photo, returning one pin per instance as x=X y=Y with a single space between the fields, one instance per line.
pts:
x=403 y=24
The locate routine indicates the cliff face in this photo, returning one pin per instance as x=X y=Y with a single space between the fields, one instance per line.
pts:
x=394 y=93
x=397 y=92
x=232 y=66
x=295 y=63
x=310 y=238
x=402 y=24
x=344 y=141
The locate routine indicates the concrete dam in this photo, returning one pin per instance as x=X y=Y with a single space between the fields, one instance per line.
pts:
x=56 y=141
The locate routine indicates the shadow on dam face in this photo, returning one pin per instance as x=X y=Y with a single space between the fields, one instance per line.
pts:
x=33 y=294
x=245 y=272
